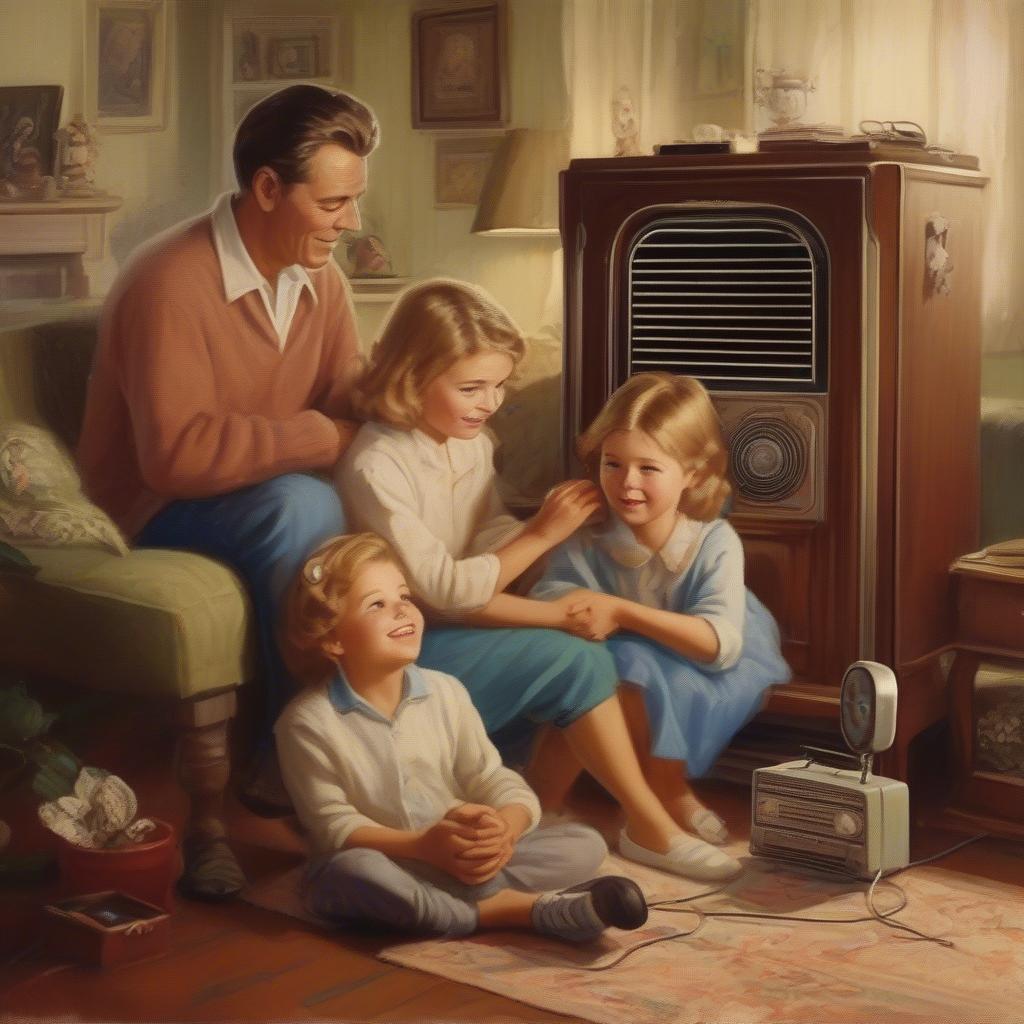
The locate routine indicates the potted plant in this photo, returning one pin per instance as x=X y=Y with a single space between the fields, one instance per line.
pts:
x=103 y=845
x=29 y=754
x=100 y=844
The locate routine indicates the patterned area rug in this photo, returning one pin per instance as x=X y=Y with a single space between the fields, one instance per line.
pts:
x=736 y=970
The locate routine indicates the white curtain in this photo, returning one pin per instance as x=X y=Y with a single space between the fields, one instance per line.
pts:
x=632 y=45
x=953 y=66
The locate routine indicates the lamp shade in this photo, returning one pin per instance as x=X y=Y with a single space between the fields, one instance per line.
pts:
x=520 y=195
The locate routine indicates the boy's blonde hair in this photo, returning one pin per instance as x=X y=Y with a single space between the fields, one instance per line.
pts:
x=431 y=326
x=315 y=600
x=676 y=412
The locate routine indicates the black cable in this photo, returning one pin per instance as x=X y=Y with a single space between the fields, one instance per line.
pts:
x=882 y=916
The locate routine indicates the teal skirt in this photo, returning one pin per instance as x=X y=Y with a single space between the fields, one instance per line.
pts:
x=519 y=678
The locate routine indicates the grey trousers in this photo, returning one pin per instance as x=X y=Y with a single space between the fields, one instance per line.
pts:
x=365 y=888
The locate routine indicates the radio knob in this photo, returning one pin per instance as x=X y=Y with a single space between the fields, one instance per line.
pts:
x=767 y=808
x=846 y=824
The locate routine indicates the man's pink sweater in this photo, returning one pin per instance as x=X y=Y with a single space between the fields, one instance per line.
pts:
x=190 y=396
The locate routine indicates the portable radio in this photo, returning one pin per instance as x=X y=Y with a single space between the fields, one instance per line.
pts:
x=835 y=819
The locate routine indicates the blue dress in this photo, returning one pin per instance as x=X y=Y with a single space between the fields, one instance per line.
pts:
x=694 y=708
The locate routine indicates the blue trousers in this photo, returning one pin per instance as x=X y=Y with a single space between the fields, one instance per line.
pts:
x=264 y=532
x=364 y=888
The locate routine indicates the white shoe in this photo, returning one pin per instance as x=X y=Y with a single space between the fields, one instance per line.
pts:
x=686 y=856
x=709 y=827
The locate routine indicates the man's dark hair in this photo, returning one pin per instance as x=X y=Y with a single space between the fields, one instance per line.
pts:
x=285 y=130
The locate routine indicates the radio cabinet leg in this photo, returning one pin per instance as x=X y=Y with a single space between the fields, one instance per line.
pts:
x=211 y=871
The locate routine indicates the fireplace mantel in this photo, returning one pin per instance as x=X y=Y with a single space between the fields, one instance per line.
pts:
x=55 y=248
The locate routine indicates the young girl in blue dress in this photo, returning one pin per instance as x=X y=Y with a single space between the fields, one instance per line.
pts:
x=420 y=474
x=694 y=649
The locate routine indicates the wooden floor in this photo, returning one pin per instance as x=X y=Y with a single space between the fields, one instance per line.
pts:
x=235 y=962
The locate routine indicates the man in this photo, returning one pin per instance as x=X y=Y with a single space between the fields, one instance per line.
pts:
x=226 y=350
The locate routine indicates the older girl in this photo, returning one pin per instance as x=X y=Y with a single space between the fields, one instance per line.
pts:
x=420 y=474
x=697 y=649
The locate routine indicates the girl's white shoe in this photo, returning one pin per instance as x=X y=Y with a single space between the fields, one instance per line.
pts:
x=686 y=856
x=710 y=827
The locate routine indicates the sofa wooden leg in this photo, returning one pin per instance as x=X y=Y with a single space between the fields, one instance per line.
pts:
x=210 y=869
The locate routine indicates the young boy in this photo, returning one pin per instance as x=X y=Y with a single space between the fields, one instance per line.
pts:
x=414 y=822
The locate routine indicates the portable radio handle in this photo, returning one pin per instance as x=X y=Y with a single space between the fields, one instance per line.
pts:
x=822 y=755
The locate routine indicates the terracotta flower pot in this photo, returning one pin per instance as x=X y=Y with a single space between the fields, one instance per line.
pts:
x=146 y=870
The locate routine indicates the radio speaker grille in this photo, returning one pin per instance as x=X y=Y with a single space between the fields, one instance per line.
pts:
x=769 y=459
x=730 y=298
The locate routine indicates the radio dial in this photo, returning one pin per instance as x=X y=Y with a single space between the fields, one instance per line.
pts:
x=768 y=809
x=847 y=824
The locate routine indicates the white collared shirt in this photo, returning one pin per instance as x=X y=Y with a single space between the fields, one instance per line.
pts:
x=436 y=504
x=347 y=766
x=241 y=276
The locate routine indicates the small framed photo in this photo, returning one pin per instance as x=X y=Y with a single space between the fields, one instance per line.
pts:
x=29 y=116
x=460 y=169
x=126 y=64
x=459 y=67
x=293 y=57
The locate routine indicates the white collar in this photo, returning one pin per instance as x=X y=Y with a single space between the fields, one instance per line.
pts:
x=237 y=269
x=619 y=542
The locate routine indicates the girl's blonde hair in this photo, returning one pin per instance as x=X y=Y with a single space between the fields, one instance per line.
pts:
x=315 y=600
x=676 y=412
x=431 y=326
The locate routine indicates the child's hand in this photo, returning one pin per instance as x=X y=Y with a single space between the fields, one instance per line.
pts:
x=595 y=617
x=574 y=611
x=484 y=822
x=486 y=858
x=566 y=508
x=442 y=846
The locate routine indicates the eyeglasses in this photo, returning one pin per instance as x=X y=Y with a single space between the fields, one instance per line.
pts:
x=909 y=133
x=895 y=131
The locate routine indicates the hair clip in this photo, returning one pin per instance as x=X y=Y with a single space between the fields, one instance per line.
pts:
x=314 y=572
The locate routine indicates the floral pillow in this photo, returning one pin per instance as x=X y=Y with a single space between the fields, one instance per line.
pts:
x=41 y=499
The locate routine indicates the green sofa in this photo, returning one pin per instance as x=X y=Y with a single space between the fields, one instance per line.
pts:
x=171 y=626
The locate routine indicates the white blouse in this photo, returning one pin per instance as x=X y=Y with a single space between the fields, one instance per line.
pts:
x=438 y=507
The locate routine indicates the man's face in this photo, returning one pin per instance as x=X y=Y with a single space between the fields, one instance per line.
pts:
x=309 y=216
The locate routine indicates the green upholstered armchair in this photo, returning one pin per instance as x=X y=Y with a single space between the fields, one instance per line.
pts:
x=171 y=626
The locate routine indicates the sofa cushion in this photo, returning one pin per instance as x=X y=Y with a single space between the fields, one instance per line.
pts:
x=155 y=623
x=41 y=499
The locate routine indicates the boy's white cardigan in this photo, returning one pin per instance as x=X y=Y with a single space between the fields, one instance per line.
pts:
x=347 y=766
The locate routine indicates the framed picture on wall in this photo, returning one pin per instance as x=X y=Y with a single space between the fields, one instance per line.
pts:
x=460 y=169
x=459 y=77
x=293 y=57
x=29 y=116
x=126 y=64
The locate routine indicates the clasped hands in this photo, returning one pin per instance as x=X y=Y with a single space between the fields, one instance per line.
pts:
x=472 y=842
x=590 y=614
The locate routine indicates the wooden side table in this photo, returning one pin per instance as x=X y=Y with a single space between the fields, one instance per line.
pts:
x=986 y=686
